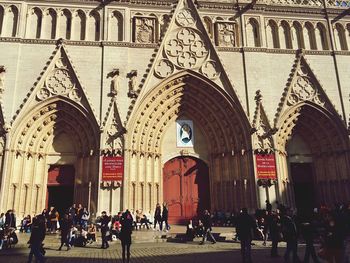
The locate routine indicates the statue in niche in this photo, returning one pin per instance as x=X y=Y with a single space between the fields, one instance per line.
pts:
x=132 y=83
x=115 y=82
x=226 y=35
x=2 y=79
x=144 y=30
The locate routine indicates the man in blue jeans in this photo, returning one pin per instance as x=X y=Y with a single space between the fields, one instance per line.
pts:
x=245 y=226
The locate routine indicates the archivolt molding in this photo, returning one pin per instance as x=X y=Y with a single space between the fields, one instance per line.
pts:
x=58 y=79
x=187 y=93
x=35 y=132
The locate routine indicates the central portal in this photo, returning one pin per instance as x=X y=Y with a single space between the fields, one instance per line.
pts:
x=186 y=188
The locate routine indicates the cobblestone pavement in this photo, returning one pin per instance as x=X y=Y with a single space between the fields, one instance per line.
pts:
x=152 y=252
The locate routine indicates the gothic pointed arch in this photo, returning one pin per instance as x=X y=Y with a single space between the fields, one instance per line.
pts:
x=58 y=79
x=113 y=140
x=223 y=124
x=185 y=46
x=305 y=112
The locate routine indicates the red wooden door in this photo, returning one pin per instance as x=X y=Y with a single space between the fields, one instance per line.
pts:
x=185 y=188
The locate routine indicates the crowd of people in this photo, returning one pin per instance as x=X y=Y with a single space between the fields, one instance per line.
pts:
x=324 y=226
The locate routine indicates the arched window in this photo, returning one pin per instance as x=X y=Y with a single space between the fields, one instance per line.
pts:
x=49 y=24
x=340 y=37
x=321 y=37
x=272 y=35
x=208 y=24
x=310 y=35
x=65 y=24
x=297 y=36
x=116 y=26
x=2 y=14
x=10 y=22
x=34 y=23
x=253 y=33
x=79 y=25
x=286 y=41
x=93 y=28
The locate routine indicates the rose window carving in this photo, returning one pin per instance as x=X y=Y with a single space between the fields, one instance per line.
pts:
x=187 y=50
x=210 y=70
x=164 y=68
x=304 y=90
x=59 y=82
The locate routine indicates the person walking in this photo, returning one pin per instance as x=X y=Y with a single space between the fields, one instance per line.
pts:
x=66 y=225
x=206 y=220
x=290 y=235
x=165 y=215
x=245 y=226
x=309 y=231
x=36 y=239
x=157 y=217
x=104 y=229
x=125 y=234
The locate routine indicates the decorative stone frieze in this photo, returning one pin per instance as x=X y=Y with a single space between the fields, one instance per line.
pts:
x=145 y=29
x=226 y=34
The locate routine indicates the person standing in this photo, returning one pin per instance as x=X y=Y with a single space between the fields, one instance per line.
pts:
x=72 y=214
x=165 y=215
x=125 y=234
x=66 y=225
x=104 y=229
x=36 y=239
x=309 y=231
x=290 y=235
x=207 y=228
x=274 y=230
x=245 y=226
x=157 y=217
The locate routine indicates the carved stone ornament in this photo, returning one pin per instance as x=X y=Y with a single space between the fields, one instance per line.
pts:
x=303 y=90
x=185 y=18
x=59 y=82
x=164 y=68
x=115 y=82
x=187 y=50
x=2 y=79
x=145 y=30
x=225 y=34
x=210 y=70
x=132 y=84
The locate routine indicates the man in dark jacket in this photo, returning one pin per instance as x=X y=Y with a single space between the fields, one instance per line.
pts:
x=104 y=229
x=206 y=220
x=10 y=219
x=274 y=230
x=245 y=226
x=36 y=239
x=290 y=235
x=66 y=225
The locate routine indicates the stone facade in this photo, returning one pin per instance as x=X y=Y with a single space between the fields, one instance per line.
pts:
x=82 y=79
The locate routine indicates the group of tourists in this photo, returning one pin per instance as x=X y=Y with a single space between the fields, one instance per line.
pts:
x=8 y=236
x=329 y=227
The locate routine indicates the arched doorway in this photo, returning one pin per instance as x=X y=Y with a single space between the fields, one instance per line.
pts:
x=186 y=188
x=315 y=164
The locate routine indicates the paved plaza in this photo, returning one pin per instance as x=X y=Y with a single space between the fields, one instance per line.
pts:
x=148 y=247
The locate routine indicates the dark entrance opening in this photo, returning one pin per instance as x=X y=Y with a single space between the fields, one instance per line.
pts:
x=60 y=187
x=304 y=192
x=186 y=188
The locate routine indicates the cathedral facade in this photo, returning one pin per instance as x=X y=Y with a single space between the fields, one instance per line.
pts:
x=201 y=104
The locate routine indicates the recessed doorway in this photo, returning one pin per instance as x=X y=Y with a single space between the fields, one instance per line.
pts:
x=186 y=188
x=303 y=181
x=60 y=187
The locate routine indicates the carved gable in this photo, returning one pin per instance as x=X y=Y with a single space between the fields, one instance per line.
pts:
x=262 y=136
x=113 y=130
x=303 y=87
x=58 y=79
x=187 y=46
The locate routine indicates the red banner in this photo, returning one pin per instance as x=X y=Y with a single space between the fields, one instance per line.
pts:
x=266 y=166
x=112 y=168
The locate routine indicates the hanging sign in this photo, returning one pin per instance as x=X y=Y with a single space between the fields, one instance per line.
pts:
x=113 y=168
x=266 y=166
x=184 y=133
